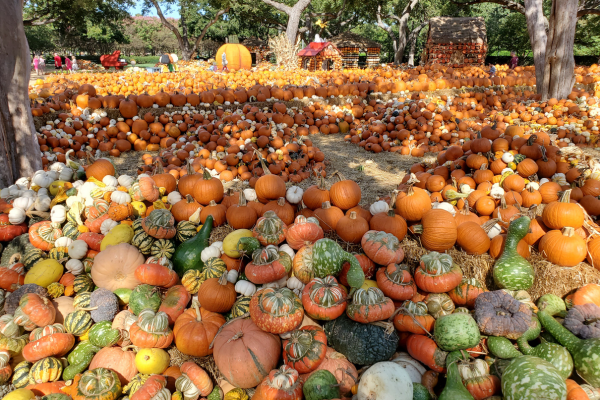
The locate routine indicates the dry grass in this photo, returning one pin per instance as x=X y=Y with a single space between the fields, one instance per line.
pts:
x=285 y=52
x=207 y=362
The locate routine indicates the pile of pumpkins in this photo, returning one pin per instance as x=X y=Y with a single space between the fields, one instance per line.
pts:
x=112 y=288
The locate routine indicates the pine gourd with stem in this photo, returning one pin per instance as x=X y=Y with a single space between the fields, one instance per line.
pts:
x=512 y=271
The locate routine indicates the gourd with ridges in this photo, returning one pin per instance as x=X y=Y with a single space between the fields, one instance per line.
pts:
x=83 y=283
x=162 y=248
x=187 y=254
x=185 y=231
x=529 y=377
x=82 y=300
x=20 y=377
x=48 y=369
x=144 y=297
x=240 y=307
x=512 y=271
x=78 y=322
x=585 y=352
x=102 y=334
x=321 y=385
x=142 y=241
x=96 y=384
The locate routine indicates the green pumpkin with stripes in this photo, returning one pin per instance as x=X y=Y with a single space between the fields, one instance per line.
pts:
x=58 y=253
x=162 y=248
x=70 y=230
x=83 y=283
x=33 y=256
x=143 y=242
x=47 y=369
x=214 y=267
x=78 y=322
x=240 y=307
x=82 y=300
x=186 y=230
x=20 y=377
x=137 y=225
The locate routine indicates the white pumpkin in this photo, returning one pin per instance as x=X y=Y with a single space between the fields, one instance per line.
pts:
x=294 y=194
x=164 y=261
x=29 y=193
x=23 y=202
x=379 y=207
x=532 y=186
x=294 y=283
x=174 y=197
x=277 y=284
x=16 y=216
x=58 y=214
x=120 y=197
x=494 y=231
x=23 y=182
x=110 y=180
x=107 y=225
x=5 y=193
x=473 y=369
x=287 y=249
x=126 y=181
x=74 y=265
x=57 y=166
x=245 y=288
x=218 y=245
x=232 y=276
x=78 y=249
x=414 y=369
x=75 y=199
x=250 y=194
x=496 y=192
x=42 y=203
x=445 y=206
x=63 y=241
x=210 y=252
x=53 y=175
x=78 y=184
x=508 y=157
x=66 y=174
x=43 y=192
x=385 y=380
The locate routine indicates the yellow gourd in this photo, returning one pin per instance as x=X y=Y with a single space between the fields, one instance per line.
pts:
x=152 y=361
x=368 y=284
x=119 y=234
x=44 y=272
x=139 y=208
x=20 y=394
x=55 y=186
x=230 y=242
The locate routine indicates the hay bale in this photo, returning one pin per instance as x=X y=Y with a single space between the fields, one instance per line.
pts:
x=207 y=362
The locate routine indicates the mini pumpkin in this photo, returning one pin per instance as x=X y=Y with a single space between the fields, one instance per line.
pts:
x=381 y=247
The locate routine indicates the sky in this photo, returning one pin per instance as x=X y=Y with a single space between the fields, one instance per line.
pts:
x=137 y=9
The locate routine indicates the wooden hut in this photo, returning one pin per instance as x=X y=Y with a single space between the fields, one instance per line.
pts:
x=357 y=51
x=259 y=49
x=320 y=56
x=456 y=42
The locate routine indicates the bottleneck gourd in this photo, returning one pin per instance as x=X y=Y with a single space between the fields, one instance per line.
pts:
x=512 y=271
x=454 y=389
x=585 y=352
x=187 y=255
x=554 y=353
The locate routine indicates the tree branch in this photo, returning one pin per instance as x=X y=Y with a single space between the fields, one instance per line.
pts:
x=279 y=6
x=36 y=21
x=588 y=11
x=208 y=25
x=330 y=15
x=380 y=22
x=508 y=4
x=167 y=23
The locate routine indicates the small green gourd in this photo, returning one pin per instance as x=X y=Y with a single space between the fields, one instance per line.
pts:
x=553 y=305
x=501 y=347
x=420 y=392
x=511 y=270
x=585 y=352
x=187 y=254
x=454 y=389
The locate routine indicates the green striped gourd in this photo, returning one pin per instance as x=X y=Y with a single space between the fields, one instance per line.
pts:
x=83 y=283
x=240 y=307
x=142 y=241
x=585 y=352
x=78 y=322
x=214 y=267
x=70 y=230
x=529 y=377
x=20 y=377
x=33 y=256
x=162 y=248
x=185 y=230
x=512 y=271
x=82 y=300
x=47 y=369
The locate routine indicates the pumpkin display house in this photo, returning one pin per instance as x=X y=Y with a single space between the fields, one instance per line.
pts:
x=320 y=56
x=357 y=51
x=456 y=42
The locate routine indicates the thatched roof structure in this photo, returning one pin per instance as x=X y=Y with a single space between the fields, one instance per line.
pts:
x=457 y=30
x=349 y=39
x=254 y=42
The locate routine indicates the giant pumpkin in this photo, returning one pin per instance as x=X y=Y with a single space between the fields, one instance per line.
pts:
x=238 y=57
x=114 y=268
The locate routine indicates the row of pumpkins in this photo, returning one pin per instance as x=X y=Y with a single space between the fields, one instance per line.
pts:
x=110 y=264
x=430 y=77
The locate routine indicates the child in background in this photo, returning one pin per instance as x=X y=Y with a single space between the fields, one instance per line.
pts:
x=514 y=60
x=492 y=70
x=68 y=64
x=75 y=65
x=57 y=61
x=42 y=65
x=36 y=64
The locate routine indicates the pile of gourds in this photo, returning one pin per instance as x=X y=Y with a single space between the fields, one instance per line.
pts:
x=103 y=274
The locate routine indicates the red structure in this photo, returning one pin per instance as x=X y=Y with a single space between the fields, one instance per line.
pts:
x=320 y=56
x=112 y=60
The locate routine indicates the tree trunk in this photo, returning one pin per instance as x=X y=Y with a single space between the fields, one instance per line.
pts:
x=19 y=149
x=184 y=43
x=402 y=29
x=537 y=36
x=412 y=39
x=559 y=70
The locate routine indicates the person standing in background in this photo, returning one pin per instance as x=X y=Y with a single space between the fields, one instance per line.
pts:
x=68 y=64
x=42 y=65
x=514 y=60
x=57 y=61
x=75 y=65
x=36 y=64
